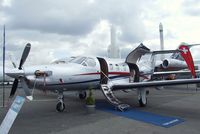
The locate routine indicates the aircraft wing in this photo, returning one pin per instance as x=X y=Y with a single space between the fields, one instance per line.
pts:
x=152 y=84
x=174 y=72
x=165 y=52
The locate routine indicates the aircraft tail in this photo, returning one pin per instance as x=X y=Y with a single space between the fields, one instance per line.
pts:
x=186 y=55
x=177 y=55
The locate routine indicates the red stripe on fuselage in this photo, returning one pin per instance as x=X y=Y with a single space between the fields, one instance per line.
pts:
x=114 y=73
x=110 y=73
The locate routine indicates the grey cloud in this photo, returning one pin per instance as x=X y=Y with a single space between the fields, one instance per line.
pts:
x=127 y=15
x=125 y=52
x=57 y=27
x=65 y=17
x=76 y=17
x=192 y=11
x=191 y=7
x=190 y=2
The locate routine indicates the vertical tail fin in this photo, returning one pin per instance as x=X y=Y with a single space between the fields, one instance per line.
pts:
x=185 y=53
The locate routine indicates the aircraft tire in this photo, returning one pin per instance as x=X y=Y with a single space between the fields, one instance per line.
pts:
x=82 y=95
x=59 y=107
x=141 y=103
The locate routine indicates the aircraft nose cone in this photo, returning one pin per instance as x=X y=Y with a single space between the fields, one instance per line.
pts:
x=15 y=73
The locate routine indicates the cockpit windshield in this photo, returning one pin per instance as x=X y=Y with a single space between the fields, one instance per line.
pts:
x=85 y=61
x=78 y=60
x=59 y=62
x=63 y=61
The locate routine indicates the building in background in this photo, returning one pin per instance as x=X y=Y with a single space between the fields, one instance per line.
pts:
x=113 y=48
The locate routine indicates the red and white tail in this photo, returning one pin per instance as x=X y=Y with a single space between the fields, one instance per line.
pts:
x=185 y=53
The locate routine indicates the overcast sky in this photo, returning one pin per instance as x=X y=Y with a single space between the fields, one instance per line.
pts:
x=63 y=28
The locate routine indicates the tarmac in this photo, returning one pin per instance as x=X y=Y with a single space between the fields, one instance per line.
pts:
x=40 y=116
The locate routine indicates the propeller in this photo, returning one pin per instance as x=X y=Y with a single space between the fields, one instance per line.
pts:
x=24 y=55
x=20 y=76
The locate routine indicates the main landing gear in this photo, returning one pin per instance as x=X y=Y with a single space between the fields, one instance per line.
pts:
x=82 y=95
x=142 y=97
x=60 y=107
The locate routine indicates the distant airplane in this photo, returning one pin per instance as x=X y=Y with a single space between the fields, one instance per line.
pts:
x=176 y=61
x=85 y=72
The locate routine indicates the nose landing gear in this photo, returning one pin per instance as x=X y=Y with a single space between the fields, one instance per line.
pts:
x=60 y=107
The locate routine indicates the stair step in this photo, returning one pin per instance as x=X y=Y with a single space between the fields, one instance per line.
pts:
x=123 y=107
x=112 y=99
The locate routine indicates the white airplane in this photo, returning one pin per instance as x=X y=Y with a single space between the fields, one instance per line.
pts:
x=84 y=72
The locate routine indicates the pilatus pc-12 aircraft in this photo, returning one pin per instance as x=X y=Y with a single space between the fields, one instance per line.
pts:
x=84 y=72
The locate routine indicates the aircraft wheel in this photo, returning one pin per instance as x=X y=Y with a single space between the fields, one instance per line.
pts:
x=142 y=104
x=60 y=107
x=82 y=95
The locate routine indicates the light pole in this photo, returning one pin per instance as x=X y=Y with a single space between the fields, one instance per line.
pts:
x=4 y=41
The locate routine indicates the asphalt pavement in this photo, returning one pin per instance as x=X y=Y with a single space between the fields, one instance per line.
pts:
x=40 y=116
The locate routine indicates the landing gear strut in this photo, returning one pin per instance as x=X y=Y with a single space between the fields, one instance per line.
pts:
x=82 y=95
x=60 y=107
x=142 y=97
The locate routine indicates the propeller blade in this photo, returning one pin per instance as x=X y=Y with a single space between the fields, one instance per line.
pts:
x=14 y=88
x=26 y=89
x=24 y=55
x=13 y=63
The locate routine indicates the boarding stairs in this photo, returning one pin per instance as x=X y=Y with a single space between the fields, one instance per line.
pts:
x=108 y=93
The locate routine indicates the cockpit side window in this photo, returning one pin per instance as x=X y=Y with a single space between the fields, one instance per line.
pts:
x=117 y=67
x=84 y=64
x=124 y=67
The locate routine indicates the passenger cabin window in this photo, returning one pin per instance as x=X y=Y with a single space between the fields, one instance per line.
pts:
x=124 y=67
x=111 y=66
x=117 y=67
